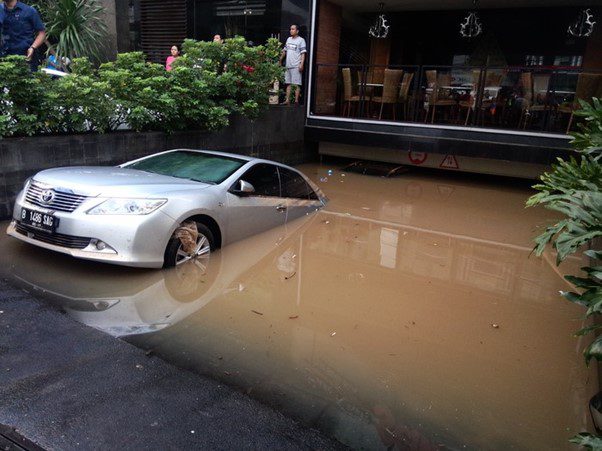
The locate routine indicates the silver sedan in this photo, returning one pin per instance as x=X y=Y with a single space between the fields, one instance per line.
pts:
x=160 y=210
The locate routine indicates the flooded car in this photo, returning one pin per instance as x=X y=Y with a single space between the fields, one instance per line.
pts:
x=160 y=210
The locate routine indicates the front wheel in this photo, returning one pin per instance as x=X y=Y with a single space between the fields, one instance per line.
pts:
x=176 y=253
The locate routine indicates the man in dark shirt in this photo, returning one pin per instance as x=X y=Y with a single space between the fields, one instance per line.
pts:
x=23 y=30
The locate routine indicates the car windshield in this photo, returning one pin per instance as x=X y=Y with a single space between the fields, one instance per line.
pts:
x=197 y=166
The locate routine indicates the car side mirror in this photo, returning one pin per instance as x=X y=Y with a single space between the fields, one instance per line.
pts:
x=242 y=188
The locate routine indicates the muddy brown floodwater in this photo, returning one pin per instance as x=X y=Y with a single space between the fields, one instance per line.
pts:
x=408 y=312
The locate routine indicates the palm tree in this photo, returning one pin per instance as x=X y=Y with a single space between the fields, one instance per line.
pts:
x=77 y=27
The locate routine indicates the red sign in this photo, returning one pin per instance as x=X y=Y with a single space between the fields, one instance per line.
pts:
x=417 y=157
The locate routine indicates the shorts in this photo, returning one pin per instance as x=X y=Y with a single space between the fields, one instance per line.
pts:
x=292 y=76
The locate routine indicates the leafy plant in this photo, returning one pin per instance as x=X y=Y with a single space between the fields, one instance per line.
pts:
x=21 y=98
x=588 y=441
x=574 y=189
x=78 y=104
x=77 y=26
x=207 y=85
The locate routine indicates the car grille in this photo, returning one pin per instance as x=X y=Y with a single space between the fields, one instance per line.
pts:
x=60 y=201
x=72 y=242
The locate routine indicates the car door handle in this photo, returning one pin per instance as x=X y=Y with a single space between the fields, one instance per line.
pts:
x=281 y=208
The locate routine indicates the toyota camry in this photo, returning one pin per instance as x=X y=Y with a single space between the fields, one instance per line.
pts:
x=160 y=210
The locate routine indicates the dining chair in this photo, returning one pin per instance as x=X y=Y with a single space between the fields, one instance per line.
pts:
x=470 y=103
x=588 y=86
x=437 y=96
x=350 y=99
x=404 y=93
x=536 y=85
x=526 y=83
x=491 y=97
x=390 y=92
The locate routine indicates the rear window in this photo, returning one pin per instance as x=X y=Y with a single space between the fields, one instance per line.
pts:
x=197 y=166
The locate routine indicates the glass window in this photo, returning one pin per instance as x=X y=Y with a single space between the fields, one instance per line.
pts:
x=264 y=178
x=294 y=185
x=197 y=166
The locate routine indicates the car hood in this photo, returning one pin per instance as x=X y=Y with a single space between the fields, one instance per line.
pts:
x=112 y=181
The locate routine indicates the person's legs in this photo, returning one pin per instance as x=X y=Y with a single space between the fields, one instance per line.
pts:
x=287 y=96
x=296 y=81
x=287 y=82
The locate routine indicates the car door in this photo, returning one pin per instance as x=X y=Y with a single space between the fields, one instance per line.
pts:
x=300 y=197
x=251 y=213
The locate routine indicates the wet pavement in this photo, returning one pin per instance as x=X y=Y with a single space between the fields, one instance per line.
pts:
x=407 y=312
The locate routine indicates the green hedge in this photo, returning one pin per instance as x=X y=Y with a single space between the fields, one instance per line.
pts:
x=208 y=84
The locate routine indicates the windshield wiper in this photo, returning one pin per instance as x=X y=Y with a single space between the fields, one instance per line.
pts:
x=208 y=182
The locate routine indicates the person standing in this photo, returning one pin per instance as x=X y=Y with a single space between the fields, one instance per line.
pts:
x=294 y=50
x=175 y=53
x=23 y=31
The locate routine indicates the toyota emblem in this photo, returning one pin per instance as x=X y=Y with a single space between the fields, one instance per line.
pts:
x=46 y=196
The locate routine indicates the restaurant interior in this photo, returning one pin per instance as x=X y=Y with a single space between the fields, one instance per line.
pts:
x=516 y=65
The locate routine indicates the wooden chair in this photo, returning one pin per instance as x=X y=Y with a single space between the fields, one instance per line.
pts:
x=535 y=89
x=404 y=93
x=588 y=86
x=350 y=99
x=493 y=81
x=434 y=96
x=390 y=92
x=470 y=103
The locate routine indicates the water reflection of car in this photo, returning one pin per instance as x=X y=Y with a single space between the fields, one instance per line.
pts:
x=126 y=301
x=129 y=215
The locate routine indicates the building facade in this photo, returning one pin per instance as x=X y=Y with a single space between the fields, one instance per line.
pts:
x=490 y=86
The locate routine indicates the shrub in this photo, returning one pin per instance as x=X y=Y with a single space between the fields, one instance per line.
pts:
x=78 y=104
x=207 y=85
x=21 y=98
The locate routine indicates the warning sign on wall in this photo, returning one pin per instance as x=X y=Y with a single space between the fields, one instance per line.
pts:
x=449 y=162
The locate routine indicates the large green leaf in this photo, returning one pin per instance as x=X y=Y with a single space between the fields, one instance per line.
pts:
x=594 y=350
x=588 y=441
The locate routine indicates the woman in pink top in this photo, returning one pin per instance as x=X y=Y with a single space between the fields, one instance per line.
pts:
x=175 y=52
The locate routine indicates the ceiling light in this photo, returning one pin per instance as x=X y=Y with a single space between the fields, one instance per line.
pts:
x=471 y=27
x=583 y=25
x=380 y=29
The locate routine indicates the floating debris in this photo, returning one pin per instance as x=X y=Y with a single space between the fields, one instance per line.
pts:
x=293 y=317
x=495 y=326
x=256 y=312
x=333 y=334
x=291 y=276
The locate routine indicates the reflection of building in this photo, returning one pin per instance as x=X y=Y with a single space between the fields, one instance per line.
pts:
x=499 y=102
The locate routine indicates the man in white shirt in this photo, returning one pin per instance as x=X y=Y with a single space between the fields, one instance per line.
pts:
x=294 y=50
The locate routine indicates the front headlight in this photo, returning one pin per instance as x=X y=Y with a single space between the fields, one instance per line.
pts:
x=127 y=207
x=27 y=183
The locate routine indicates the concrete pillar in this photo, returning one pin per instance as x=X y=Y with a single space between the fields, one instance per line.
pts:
x=110 y=50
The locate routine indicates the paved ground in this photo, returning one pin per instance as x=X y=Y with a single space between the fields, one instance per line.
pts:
x=64 y=385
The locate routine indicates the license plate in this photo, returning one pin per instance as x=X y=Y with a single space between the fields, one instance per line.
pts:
x=38 y=220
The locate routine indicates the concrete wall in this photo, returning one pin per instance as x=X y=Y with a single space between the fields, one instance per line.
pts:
x=110 y=46
x=278 y=135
